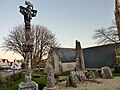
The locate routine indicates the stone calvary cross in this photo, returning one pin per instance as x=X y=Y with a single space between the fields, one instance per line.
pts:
x=28 y=12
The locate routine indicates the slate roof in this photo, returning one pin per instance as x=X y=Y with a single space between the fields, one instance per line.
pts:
x=95 y=57
x=66 y=54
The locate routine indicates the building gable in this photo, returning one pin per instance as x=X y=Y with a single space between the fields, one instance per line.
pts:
x=66 y=54
x=95 y=57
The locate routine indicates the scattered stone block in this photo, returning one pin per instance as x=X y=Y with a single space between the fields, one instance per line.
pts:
x=75 y=78
x=106 y=72
x=28 y=86
x=68 y=82
x=73 y=81
x=81 y=76
x=52 y=88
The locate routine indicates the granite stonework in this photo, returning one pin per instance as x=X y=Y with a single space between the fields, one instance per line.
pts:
x=28 y=86
x=52 y=88
x=106 y=73
x=75 y=78
x=80 y=65
x=117 y=16
x=28 y=12
x=51 y=82
x=50 y=76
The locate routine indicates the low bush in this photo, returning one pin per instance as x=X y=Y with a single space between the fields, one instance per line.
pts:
x=11 y=81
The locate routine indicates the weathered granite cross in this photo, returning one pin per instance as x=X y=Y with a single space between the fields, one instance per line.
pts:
x=28 y=13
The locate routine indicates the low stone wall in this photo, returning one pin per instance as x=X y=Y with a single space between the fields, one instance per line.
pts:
x=68 y=66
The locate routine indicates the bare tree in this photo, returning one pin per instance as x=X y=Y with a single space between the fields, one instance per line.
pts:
x=43 y=41
x=106 y=35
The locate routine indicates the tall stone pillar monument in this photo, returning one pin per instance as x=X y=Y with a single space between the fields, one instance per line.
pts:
x=79 y=57
x=28 y=12
x=117 y=16
x=117 y=19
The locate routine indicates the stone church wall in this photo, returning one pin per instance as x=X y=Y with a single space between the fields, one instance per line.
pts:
x=68 y=66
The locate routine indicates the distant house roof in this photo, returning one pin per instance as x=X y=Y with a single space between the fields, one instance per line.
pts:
x=95 y=57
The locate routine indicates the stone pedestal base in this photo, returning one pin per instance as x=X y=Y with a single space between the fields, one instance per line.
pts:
x=28 y=86
x=53 y=88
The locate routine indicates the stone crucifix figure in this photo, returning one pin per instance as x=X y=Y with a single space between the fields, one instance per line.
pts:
x=28 y=12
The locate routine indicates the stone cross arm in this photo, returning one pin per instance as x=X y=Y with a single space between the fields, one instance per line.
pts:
x=34 y=12
x=22 y=10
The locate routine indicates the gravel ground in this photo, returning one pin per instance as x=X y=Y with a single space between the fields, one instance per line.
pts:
x=107 y=84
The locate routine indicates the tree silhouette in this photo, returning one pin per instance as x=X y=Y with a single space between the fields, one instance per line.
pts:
x=42 y=38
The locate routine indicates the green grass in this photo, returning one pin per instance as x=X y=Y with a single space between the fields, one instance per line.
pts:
x=65 y=73
x=40 y=73
x=116 y=74
x=41 y=82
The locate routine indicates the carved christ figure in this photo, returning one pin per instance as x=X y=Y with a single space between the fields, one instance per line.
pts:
x=28 y=12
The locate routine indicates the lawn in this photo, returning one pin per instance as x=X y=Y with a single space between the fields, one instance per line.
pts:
x=41 y=82
x=39 y=73
x=116 y=74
